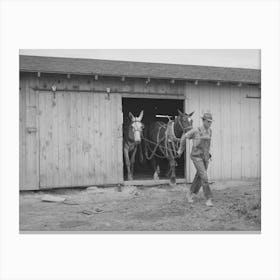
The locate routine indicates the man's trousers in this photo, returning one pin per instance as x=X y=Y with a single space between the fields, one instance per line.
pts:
x=201 y=178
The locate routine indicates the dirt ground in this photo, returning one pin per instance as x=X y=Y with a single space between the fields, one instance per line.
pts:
x=160 y=208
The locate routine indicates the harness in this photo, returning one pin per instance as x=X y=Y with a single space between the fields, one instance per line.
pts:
x=171 y=132
x=170 y=142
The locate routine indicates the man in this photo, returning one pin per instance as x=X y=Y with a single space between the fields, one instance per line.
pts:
x=200 y=156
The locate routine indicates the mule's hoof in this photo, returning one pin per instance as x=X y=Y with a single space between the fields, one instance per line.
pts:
x=173 y=180
x=172 y=184
x=129 y=178
x=156 y=177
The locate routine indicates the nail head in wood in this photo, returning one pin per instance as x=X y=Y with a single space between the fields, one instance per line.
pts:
x=54 y=88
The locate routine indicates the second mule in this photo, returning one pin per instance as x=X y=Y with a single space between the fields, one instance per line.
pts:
x=133 y=131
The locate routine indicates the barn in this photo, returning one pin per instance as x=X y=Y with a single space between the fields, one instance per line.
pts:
x=72 y=111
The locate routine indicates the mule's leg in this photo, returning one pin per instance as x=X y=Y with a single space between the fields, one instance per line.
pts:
x=168 y=171
x=145 y=152
x=132 y=161
x=141 y=156
x=172 y=164
x=127 y=163
x=156 y=169
x=157 y=172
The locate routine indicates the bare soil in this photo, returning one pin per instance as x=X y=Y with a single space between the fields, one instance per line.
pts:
x=237 y=207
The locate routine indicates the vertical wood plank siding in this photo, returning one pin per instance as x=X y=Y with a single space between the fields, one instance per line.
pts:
x=78 y=141
x=236 y=129
x=22 y=136
x=29 y=160
x=86 y=149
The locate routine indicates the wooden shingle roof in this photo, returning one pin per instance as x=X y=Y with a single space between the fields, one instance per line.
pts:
x=137 y=69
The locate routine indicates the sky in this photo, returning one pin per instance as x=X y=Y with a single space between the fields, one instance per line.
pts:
x=240 y=58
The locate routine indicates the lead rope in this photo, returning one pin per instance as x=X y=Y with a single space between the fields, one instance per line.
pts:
x=153 y=152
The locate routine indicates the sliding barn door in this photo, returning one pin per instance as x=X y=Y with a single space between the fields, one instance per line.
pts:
x=80 y=139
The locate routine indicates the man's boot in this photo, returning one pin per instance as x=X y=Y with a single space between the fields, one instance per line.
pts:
x=209 y=202
x=189 y=196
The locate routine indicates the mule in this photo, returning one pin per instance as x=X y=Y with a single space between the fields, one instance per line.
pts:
x=133 y=131
x=162 y=140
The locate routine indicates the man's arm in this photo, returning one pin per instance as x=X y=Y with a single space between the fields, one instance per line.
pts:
x=190 y=134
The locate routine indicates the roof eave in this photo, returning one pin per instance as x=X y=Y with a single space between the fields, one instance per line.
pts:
x=140 y=77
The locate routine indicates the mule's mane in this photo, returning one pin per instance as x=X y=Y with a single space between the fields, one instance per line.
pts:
x=177 y=128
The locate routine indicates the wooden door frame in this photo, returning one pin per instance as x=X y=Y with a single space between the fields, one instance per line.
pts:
x=158 y=96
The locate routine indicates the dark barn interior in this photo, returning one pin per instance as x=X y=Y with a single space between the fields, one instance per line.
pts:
x=152 y=107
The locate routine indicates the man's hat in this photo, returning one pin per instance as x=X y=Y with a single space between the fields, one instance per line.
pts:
x=207 y=116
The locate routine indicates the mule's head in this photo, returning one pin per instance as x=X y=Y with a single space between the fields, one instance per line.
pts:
x=185 y=121
x=137 y=126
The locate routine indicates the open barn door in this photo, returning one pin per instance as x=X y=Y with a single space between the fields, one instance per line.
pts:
x=80 y=139
x=153 y=108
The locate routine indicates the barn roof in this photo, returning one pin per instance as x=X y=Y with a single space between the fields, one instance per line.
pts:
x=137 y=69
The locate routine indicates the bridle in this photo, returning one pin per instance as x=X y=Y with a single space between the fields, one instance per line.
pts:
x=138 y=128
x=184 y=129
x=135 y=129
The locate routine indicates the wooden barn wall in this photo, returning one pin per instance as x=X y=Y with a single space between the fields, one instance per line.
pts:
x=236 y=147
x=236 y=130
x=45 y=160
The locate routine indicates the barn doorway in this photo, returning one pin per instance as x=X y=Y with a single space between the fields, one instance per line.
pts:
x=152 y=107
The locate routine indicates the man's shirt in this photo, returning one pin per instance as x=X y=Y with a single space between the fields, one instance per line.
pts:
x=201 y=141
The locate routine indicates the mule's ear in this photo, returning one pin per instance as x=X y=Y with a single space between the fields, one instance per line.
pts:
x=141 y=116
x=180 y=113
x=131 y=116
x=191 y=114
